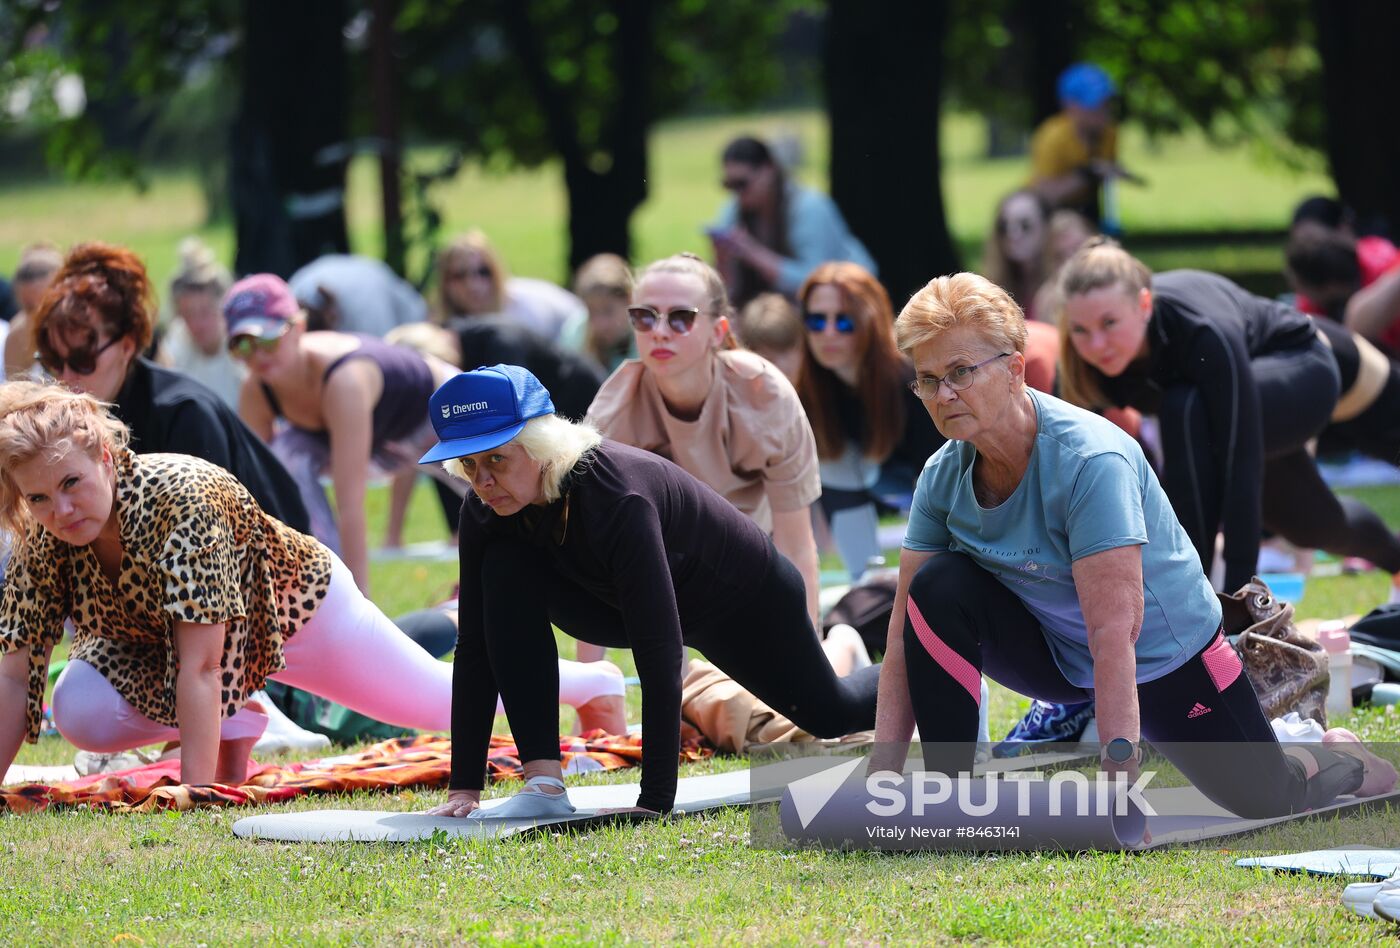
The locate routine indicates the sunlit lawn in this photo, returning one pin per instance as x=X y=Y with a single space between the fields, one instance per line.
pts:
x=1192 y=186
x=83 y=878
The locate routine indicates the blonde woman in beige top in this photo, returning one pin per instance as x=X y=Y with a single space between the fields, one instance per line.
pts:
x=727 y=416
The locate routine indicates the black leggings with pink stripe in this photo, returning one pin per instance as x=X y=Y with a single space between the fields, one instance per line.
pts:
x=1203 y=716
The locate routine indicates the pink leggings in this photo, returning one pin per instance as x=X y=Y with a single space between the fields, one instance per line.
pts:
x=348 y=651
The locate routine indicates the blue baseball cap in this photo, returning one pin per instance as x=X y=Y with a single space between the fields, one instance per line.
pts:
x=1085 y=85
x=483 y=409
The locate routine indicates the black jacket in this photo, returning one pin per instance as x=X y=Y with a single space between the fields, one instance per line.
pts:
x=170 y=412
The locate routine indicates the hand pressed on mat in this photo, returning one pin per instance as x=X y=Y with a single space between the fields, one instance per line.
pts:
x=459 y=803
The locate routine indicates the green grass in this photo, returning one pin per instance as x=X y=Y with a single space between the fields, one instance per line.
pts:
x=1193 y=186
x=85 y=878
x=88 y=878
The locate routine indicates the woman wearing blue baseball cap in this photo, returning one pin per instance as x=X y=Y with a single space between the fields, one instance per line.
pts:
x=617 y=547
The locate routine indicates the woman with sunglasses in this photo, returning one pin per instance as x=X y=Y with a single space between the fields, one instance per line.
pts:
x=1240 y=385
x=774 y=231
x=1017 y=254
x=184 y=598
x=347 y=400
x=869 y=426
x=726 y=416
x=473 y=281
x=620 y=548
x=91 y=328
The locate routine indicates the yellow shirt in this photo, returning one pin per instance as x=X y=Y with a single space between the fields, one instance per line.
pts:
x=1056 y=149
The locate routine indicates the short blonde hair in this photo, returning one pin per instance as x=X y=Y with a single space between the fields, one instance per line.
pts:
x=43 y=419
x=200 y=271
x=604 y=274
x=961 y=300
x=1098 y=264
x=427 y=339
x=556 y=444
x=769 y=322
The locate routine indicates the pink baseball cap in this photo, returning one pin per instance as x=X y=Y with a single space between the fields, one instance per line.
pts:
x=259 y=305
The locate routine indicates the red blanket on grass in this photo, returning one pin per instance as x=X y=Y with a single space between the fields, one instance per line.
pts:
x=422 y=762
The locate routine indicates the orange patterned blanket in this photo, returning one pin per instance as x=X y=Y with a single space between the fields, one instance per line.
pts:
x=420 y=762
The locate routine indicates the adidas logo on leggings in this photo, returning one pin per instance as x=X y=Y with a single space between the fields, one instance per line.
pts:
x=1198 y=710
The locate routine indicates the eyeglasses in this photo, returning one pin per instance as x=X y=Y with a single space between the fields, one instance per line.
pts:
x=681 y=320
x=926 y=386
x=483 y=271
x=817 y=322
x=736 y=184
x=245 y=344
x=81 y=361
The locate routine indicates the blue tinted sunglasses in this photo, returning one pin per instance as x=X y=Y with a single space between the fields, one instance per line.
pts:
x=816 y=322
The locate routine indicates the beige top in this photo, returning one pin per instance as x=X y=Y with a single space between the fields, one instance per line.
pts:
x=752 y=442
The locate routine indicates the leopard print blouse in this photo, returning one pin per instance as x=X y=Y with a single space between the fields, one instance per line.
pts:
x=195 y=547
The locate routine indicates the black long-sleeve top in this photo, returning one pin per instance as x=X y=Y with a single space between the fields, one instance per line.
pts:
x=641 y=535
x=169 y=412
x=1203 y=332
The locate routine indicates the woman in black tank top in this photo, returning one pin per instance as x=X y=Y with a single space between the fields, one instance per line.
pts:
x=346 y=399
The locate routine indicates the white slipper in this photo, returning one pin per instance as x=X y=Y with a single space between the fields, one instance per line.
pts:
x=1360 y=897
x=527 y=805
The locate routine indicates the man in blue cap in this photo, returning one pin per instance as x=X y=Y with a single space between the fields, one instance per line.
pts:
x=1076 y=149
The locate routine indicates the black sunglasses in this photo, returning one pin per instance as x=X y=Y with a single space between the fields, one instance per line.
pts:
x=736 y=184
x=81 y=361
x=1021 y=225
x=681 y=320
x=483 y=271
x=816 y=322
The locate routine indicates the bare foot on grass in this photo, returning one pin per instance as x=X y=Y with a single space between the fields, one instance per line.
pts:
x=1379 y=774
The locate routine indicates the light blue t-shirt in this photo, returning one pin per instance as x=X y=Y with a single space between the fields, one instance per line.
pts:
x=1087 y=489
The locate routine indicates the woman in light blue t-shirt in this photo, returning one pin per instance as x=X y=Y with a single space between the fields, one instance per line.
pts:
x=1042 y=551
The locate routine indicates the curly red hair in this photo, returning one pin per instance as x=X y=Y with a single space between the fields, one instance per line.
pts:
x=98 y=286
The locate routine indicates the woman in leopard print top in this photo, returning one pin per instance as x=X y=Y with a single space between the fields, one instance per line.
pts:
x=184 y=598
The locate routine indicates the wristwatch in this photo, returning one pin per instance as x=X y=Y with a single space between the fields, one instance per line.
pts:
x=1120 y=750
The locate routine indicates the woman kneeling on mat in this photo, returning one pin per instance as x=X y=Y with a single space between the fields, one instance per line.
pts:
x=184 y=597
x=618 y=547
x=1042 y=551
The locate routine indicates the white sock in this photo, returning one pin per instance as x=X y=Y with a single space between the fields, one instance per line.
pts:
x=282 y=733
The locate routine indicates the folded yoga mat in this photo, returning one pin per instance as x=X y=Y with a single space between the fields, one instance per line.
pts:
x=1365 y=861
x=693 y=795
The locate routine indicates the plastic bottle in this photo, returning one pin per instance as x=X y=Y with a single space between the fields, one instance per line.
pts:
x=1336 y=641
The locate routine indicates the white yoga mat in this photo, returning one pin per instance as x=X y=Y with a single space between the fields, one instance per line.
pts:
x=693 y=795
x=1364 y=861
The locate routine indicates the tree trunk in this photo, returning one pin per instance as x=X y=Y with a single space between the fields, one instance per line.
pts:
x=1359 y=68
x=602 y=195
x=883 y=75
x=1050 y=30
x=386 y=129
x=289 y=149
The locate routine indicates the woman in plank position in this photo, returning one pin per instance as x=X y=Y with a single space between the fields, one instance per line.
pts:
x=618 y=547
x=184 y=596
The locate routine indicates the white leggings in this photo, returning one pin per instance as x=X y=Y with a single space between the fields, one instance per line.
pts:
x=348 y=651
